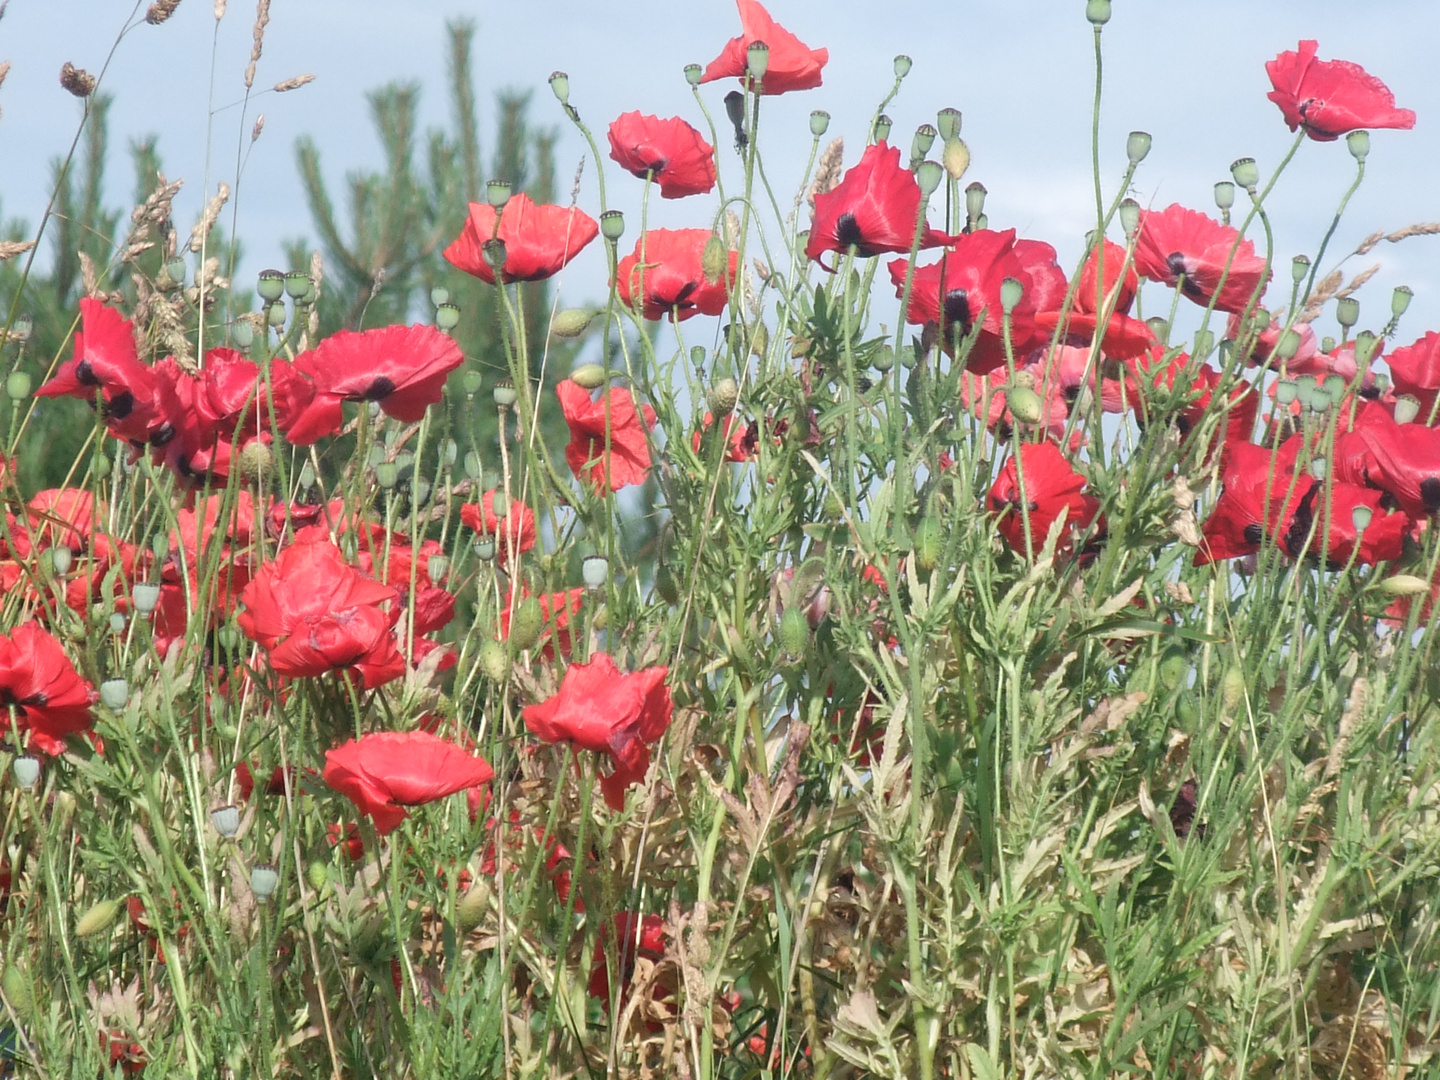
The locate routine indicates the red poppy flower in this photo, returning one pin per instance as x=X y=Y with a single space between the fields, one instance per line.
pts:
x=539 y=239
x=313 y=612
x=962 y=291
x=602 y=709
x=1415 y=370
x=1329 y=98
x=106 y=360
x=740 y=438
x=1208 y=259
x=1403 y=459
x=513 y=533
x=40 y=689
x=1162 y=371
x=607 y=441
x=1051 y=486
x=873 y=209
x=793 y=64
x=671 y=152
x=670 y=280
x=1123 y=337
x=58 y=517
x=556 y=611
x=1336 y=537
x=650 y=932
x=984 y=396
x=1260 y=495
x=385 y=772
x=403 y=368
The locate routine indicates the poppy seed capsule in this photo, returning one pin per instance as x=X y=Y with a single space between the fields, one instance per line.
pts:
x=526 y=624
x=1347 y=311
x=484 y=548
x=723 y=397
x=956 y=160
x=560 y=86
x=1400 y=300
x=97 y=918
x=1024 y=404
x=757 y=60
x=1137 y=146
x=975 y=200
x=572 y=322
x=27 y=772
x=1358 y=143
x=494 y=661
x=275 y=315
x=439 y=295
x=497 y=192
x=903 y=64
x=447 y=317
x=794 y=633
x=226 y=820
x=713 y=261
x=694 y=73
x=263 y=882
x=612 y=225
x=1224 y=195
x=17 y=385
x=386 y=474
x=1097 y=12
x=595 y=569
x=1361 y=516
x=242 y=334
x=494 y=252
x=590 y=376
x=819 y=122
x=470 y=909
x=927 y=177
x=1011 y=291
x=922 y=142
x=1407 y=408
x=504 y=393
x=1246 y=173
x=270 y=285
x=883 y=124
x=297 y=283
x=145 y=597
x=947 y=124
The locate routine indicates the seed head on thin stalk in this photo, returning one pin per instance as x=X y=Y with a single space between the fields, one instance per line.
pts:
x=262 y=18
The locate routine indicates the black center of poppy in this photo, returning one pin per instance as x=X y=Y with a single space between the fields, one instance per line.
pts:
x=1253 y=535
x=162 y=435
x=1175 y=263
x=381 y=388
x=119 y=407
x=85 y=374
x=683 y=296
x=1430 y=493
x=847 y=232
x=957 y=309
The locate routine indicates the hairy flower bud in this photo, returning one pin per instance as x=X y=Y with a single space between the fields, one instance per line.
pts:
x=956 y=159
x=526 y=624
x=590 y=376
x=572 y=322
x=97 y=918
x=723 y=397
x=714 y=259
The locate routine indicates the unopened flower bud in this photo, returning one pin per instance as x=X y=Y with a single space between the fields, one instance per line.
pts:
x=60 y=560
x=903 y=64
x=1224 y=194
x=590 y=376
x=947 y=124
x=1361 y=515
x=714 y=259
x=595 y=570
x=1024 y=404
x=97 y=918
x=1232 y=688
x=1299 y=268
x=819 y=122
x=794 y=633
x=928 y=175
x=117 y=623
x=526 y=624
x=757 y=60
x=17 y=385
x=1129 y=217
x=1407 y=408
x=572 y=322
x=1159 y=326
x=18 y=993
x=1328 y=343
x=612 y=225
x=723 y=397
x=929 y=543
x=560 y=86
x=956 y=159
x=226 y=820
x=1400 y=300
x=447 y=317
x=1097 y=12
x=975 y=200
x=1011 y=290
x=1137 y=145
x=694 y=73
x=884 y=358
x=1347 y=311
x=1246 y=173
x=263 y=882
x=883 y=124
x=494 y=661
x=1204 y=342
x=270 y=285
x=27 y=772
x=436 y=567
x=1404 y=585
x=1358 y=143
x=1288 y=345
x=275 y=315
x=470 y=909
x=500 y=504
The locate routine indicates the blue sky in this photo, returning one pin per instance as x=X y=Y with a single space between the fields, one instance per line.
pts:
x=1021 y=72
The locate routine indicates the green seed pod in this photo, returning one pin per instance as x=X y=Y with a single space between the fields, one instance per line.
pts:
x=315 y=875
x=526 y=624
x=17 y=385
x=494 y=661
x=723 y=397
x=1187 y=713
x=1174 y=667
x=929 y=541
x=470 y=909
x=590 y=376
x=794 y=633
x=572 y=322
x=714 y=259
x=1025 y=404
x=98 y=918
x=1232 y=689
x=884 y=358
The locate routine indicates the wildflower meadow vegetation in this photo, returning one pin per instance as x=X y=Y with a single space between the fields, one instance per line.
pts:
x=853 y=644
